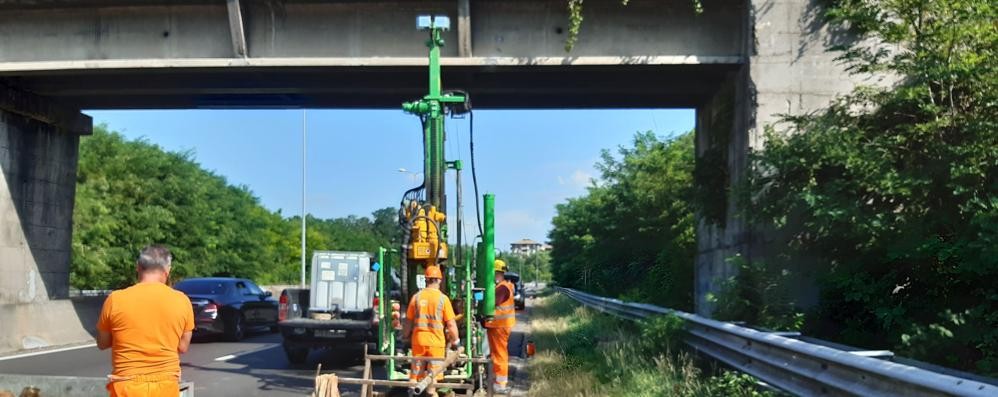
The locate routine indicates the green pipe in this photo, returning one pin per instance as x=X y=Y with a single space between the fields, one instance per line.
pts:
x=435 y=43
x=487 y=257
x=468 y=318
x=380 y=288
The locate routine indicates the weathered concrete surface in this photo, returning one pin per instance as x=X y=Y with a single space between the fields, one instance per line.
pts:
x=37 y=190
x=159 y=54
x=790 y=70
x=109 y=29
x=48 y=323
x=55 y=386
x=68 y=386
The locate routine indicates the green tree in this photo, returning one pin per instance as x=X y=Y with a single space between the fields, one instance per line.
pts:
x=531 y=267
x=133 y=193
x=632 y=234
x=895 y=188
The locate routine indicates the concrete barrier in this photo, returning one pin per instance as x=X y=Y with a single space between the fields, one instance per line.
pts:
x=55 y=386
x=48 y=323
x=68 y=386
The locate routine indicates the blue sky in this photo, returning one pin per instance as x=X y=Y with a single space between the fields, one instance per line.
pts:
x=531 y=159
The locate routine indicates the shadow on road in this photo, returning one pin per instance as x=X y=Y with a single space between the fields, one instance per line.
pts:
x=274 y=374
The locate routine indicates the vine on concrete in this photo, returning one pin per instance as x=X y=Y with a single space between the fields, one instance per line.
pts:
x=575 y=19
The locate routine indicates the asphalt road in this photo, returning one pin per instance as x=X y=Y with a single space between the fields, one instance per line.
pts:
x=254 y=367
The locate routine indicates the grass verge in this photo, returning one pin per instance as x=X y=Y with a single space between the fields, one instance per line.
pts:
x=583 y=353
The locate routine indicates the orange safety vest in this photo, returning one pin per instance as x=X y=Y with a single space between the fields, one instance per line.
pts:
x=427 y=310
x=505 y=315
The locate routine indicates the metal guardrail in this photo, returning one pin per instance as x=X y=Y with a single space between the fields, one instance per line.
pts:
x=796 y=366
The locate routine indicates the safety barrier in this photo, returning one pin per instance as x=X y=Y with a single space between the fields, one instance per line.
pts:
x=796 y=366
x=67 y=386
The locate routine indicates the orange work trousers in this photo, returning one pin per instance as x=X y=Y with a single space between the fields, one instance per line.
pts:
x=499 y=348
x=421 y=369
x=155 y=385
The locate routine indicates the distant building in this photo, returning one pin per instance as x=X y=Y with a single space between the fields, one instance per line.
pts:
x=527 y=246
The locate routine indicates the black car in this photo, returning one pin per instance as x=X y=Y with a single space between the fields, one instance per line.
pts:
x=229 y=306
x=519 y=297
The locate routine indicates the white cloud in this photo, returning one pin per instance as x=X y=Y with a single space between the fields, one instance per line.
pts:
x=581 y=178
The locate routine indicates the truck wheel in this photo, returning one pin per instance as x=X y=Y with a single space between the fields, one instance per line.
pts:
x=296 y=354
x=234 y=328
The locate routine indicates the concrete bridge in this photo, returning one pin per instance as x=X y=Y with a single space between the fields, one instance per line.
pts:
x=739 y=64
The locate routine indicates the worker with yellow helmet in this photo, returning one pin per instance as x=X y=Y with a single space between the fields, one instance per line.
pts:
x=500 y=327
x=429 y=313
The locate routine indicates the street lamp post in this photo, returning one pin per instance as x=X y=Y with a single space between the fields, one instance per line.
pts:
x=414 y=175
x=304 y=152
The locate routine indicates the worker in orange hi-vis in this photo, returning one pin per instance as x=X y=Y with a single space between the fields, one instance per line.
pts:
x=499 y=328
x=147 y=326
x=430 y=313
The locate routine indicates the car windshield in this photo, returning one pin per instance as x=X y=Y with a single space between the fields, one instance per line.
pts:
x=202 y=287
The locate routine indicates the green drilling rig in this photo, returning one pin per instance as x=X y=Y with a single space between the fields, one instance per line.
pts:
x=468 y=276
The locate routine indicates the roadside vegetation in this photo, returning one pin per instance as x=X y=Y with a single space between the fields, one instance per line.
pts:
x=531 y=267
x=889 y=196
x=131 y=193
x=632 y=234
x=581 y=352
x=895 y=190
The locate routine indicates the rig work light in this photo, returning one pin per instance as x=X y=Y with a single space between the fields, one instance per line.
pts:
x=426 y=22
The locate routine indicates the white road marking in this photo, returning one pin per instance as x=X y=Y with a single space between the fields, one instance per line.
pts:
x=239 y=354
x=39 y=353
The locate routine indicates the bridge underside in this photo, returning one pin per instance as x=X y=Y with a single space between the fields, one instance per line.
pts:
x=741 y=64
x=587 y=86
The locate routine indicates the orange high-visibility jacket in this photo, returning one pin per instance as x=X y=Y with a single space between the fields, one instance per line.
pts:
x=505 y=315
x=429 y=310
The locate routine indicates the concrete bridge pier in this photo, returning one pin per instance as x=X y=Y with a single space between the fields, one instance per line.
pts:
x=788 y=70
x=39 y=141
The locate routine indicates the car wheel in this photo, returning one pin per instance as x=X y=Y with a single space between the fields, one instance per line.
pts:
x=235 y=330
x=296 y=354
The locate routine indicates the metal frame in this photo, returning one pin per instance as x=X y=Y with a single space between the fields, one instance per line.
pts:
x=415 y=388
x=795 y=366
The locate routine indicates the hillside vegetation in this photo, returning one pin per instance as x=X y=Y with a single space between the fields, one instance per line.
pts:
x=131 y=193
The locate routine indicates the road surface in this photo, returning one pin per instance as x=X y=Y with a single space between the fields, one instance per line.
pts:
x=254 y=367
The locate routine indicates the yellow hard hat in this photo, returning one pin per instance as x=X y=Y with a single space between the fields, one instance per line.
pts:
x=433 y=272
x=500 y=265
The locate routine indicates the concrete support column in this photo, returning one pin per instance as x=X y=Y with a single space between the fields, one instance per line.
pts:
x=39 y=143
x=38 y=155
x=789 y=71
x=722 y=149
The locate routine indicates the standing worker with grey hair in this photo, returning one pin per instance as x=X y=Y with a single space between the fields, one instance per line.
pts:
x=147 y=326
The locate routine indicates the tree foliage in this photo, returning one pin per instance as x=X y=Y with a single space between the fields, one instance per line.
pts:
x=633 y=232
x=896 y=189
x=133 y=193
x=531 y=267
x=575 y=19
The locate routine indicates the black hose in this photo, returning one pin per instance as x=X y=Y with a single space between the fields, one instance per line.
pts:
x=474 y=176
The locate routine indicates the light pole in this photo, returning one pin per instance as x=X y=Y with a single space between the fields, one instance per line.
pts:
x=415 y=175
x=304 y=153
